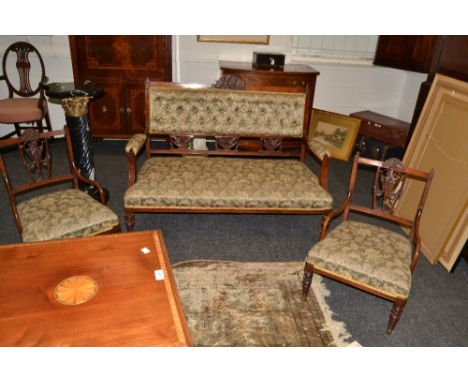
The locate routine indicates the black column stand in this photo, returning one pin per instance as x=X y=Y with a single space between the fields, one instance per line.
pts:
x=74 y=99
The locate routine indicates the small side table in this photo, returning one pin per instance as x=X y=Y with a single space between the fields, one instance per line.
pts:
x=74 y=98
x=378 y=133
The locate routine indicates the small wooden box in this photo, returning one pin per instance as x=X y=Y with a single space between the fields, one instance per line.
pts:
x=389 y=130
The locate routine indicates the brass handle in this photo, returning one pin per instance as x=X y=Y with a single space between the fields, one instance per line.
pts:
x=129 y=110
x=104 y=109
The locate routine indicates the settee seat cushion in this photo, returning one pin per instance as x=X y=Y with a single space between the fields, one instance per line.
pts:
x=368 y=255
x=220 y=182
x=64 y=214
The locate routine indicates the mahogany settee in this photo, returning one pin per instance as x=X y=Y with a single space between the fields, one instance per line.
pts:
x=254 y=161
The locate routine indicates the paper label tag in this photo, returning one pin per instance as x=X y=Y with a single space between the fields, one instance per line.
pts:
x=145 y=250
x=159 y=274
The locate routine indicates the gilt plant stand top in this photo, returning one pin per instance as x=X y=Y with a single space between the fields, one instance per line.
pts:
x=75 y=98
x=110 y=290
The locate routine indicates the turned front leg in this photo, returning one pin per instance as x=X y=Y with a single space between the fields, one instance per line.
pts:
x=129 y=220
x=395 y=314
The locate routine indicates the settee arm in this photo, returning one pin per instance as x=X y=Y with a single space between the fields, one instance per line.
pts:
x=133 y=148
x=323 y=155
x=135 y=144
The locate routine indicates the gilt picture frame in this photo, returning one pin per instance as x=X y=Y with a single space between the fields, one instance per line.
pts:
x=439 y=142
x=235 y=39
x=337 y=132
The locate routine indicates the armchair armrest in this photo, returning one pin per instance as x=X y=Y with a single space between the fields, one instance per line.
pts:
x=135 y=144
x=321 y=152
x=133 y=148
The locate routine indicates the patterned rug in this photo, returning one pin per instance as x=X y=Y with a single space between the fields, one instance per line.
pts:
x=255 y=304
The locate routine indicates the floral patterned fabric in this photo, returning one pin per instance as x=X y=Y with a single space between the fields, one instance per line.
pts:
x=62 y=214
x=318 y=149
x=226 y=182
x=366 y=254
x=135 y=143
x=225 y=112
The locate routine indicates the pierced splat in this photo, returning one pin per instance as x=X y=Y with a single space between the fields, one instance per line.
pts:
x=35 y=154
x=272 y=144
x=228 y=81
x=24 y=66
x=181 y=141
x=227 y=142
x=389 y=181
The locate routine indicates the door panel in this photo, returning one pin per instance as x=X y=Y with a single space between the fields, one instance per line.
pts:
x=135 y=108
x=105 y=113
x=123 y=57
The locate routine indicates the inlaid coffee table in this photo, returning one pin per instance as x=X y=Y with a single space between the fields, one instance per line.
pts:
x=109 y=290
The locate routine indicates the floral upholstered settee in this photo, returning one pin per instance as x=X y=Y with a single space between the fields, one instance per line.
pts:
x=253 y=163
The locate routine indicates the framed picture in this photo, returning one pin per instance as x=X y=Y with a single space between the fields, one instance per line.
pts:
x=439 y=142
x=235 y=39
x=337 y=132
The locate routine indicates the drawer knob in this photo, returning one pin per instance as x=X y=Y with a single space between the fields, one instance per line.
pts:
x=104 y=109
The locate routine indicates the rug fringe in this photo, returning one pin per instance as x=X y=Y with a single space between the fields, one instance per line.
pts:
x=338 y=330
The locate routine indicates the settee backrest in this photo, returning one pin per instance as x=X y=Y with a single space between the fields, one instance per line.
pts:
x=177 y=110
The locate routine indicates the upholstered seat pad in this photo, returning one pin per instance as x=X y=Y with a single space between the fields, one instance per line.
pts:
x=16 y=110
x=61 y=214
x=366 y=254
x=226 y=182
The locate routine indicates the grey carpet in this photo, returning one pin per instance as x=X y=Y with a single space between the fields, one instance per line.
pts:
x=436 y=311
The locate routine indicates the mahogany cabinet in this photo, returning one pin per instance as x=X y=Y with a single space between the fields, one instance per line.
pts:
x=120 y=64
x=405 y=52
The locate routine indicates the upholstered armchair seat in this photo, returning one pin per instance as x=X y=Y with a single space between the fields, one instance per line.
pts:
x=63 y=214
x=226 y=182
x=366 y=254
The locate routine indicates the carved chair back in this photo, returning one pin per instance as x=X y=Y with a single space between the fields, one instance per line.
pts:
x=35 y=156
x=238 y=122
x=389 y=181
x=22 y=87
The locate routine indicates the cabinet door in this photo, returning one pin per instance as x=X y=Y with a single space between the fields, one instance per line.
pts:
x=121 y=57
x=106 y=113
x=135 y=107
x=405 y=52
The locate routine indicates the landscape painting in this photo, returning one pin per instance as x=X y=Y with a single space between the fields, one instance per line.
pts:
x=335 y=131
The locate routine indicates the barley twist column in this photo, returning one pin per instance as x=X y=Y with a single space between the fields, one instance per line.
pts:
x=75 y=98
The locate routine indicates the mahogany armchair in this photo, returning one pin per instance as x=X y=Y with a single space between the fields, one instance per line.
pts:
x=367 y=256
x=59 y=214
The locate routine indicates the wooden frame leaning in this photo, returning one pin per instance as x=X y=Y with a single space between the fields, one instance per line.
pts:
x=439 y=142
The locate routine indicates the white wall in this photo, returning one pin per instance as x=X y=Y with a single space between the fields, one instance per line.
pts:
x=342 y=88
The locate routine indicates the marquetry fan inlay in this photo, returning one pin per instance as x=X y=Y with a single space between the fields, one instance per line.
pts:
x=75 y=290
